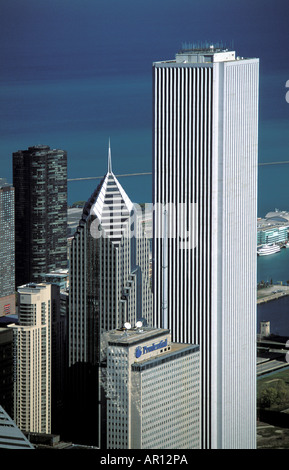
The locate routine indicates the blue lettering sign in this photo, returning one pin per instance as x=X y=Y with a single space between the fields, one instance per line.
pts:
x=153 y=347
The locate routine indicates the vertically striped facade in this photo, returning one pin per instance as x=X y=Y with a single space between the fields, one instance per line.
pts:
x=205 y=182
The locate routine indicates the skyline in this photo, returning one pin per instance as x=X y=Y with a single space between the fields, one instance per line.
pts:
x=53 y=93
x=71 y=81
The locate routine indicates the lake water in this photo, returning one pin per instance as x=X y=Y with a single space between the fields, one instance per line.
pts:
x=275 y=268
x=74 y=74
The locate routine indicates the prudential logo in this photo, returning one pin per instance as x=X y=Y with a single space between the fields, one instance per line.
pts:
x=287 y=93
x=138 y=352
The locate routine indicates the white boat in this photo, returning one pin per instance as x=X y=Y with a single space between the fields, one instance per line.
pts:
x=268 y=250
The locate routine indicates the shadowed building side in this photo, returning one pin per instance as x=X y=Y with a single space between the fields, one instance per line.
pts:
x=108 y=267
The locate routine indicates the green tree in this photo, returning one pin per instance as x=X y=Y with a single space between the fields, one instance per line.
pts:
x=282 y=392
x=268 y=397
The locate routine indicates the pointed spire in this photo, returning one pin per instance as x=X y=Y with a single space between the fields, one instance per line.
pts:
x=109 y=167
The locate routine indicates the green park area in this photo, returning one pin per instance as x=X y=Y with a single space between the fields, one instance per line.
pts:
x=273 y=411
x=273 y=391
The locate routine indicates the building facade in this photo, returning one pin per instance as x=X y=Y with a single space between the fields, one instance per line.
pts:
x=272 y=235
x=204 y=247
x=6 y=370
x=7 y=249
x=32 y=359
x=152 y=389
x=109 y=285
x=40 y=181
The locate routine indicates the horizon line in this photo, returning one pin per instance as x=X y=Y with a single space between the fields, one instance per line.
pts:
x=150 y=173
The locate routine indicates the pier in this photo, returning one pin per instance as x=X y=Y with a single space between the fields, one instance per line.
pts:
x=273 y=292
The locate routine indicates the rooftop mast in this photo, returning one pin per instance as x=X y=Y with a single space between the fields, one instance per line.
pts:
x=109 y=166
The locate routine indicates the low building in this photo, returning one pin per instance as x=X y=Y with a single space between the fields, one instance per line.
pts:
x=272 y=234
x=59 y=277
x=152 y=389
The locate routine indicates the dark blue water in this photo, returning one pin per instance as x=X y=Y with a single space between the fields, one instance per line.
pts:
x=75 y=73
x=275 y=268
x=277 y=312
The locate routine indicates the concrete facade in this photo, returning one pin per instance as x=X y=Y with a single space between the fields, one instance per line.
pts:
x=32 y=359
x=152 y=388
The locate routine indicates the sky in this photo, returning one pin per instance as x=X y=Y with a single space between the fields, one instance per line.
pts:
x=75 y=73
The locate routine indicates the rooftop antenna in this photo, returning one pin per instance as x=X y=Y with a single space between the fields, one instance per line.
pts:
x=109 y=166
x=127 y=326
x=138 y=325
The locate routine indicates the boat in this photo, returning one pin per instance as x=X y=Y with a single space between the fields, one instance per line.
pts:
x=268 y=250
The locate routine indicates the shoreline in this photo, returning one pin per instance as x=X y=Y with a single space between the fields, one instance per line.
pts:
x=273 y=292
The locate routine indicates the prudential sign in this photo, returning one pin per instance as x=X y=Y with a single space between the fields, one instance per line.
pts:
x=153 y=347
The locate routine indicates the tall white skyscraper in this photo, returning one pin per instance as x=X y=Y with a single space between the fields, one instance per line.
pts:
x=204 y=250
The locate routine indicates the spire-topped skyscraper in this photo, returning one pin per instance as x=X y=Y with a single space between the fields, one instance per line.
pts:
x=109 y=281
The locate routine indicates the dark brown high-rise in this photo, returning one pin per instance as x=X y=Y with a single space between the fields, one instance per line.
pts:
x=7 y=249
x=40 y=181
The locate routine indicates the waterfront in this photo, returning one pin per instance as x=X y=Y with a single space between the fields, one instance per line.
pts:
x=274 y=268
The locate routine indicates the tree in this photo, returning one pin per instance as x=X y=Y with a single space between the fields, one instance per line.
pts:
x=268 y=397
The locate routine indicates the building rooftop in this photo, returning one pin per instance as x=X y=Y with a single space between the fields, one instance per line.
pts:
x=149 y=355
x=4 y=183
x=32 y=287
x=10 y=435
x=203 y=53
x=129 y=337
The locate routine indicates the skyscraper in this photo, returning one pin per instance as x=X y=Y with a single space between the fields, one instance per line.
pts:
x=109 y=285
x=205 y=191
x=153 y=390
x=32 y=359
x=7 y=249
x=40 y=181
